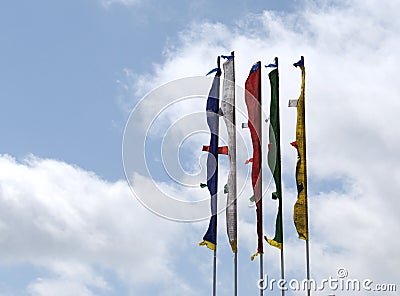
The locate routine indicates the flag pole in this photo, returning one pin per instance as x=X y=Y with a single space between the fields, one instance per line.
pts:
x=236 y=274
x=306 y=204
x=281 y=216
x=308 y=267
x=235 y=181
x=260 y=186
x=216 y=225
x=261 y=271
x=215 y=272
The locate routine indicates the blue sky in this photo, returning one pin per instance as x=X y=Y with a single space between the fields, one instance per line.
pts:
x=71 y=72
x=61 y=61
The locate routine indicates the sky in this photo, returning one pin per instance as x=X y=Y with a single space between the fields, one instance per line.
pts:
x=75 y=73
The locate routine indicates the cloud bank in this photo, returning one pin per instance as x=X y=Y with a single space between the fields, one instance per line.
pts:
x=72 y=223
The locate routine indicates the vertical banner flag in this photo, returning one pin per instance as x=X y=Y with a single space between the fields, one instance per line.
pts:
x=301 y=207
x=274 y=155
x=212 y=110
x=228 y=112
x=253 y=103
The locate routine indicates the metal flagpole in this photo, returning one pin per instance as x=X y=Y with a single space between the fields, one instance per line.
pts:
x=215 y=273
x=236 y=277
x=281 y=216
x=261 y=271
x=235 y=181
x=261 y=254
x=305 y=185
x=308 y=267
x=282 y=258
x=260 y=186
x=305 y=172
x=216 y=225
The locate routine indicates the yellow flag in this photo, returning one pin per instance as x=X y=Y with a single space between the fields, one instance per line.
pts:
x=301 y=208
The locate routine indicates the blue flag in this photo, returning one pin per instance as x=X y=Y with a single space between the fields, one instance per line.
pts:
x=212 y=109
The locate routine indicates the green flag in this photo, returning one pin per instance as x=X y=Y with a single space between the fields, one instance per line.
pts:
x=274 y=155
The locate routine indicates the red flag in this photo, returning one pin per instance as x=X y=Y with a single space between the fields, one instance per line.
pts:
x=253 y=103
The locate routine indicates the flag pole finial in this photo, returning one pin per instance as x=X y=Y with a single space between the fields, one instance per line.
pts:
x=276 y=61
x=300 y=63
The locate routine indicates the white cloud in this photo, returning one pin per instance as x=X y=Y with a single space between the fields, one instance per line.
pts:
x=72 y=279
x=68 y=221
x=57 y=287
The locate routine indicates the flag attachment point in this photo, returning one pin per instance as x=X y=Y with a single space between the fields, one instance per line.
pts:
x=229 y=58
x=213 y=70
x=299 y=63
x=293 y=103
x=271 y=66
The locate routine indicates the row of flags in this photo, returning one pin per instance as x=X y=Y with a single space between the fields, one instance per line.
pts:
x=226 y=110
